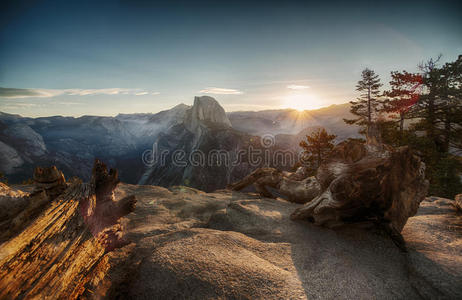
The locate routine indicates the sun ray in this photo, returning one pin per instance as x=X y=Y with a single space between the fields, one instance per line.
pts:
x=302 y=101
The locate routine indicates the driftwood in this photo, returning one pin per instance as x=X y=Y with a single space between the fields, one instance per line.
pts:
x=54 y=255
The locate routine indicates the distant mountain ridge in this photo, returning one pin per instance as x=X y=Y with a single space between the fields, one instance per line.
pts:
x=291 y=121
x=73 y=143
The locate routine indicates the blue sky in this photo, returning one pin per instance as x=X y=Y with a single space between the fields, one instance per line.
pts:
x=109 y=57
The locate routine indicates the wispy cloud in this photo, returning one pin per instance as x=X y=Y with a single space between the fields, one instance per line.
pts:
x=26 y=93
x=69 y=103
x=297 y=87
x=48 y=93
x=220 y=91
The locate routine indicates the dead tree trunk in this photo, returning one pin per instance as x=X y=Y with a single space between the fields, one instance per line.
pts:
x=53 y=257
x=296 y=187
x=384 y=187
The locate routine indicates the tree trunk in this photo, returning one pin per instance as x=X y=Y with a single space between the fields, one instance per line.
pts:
x=384 y=186
x=401 y=127
x=369 y=112
x=298 y=189
x=447 y=131
x=53 y=257
x=319 y=157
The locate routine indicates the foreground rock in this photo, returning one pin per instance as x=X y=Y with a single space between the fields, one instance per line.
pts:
x=190 y=244
x=185 y=243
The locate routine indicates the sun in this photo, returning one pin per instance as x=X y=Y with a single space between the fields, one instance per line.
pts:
x=301 y=101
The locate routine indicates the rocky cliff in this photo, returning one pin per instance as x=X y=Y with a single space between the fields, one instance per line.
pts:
x=206 y=112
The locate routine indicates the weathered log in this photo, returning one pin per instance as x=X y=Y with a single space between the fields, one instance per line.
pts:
x=53 y=257
x=368 y=183
x=19 y=209
x=384 y=187
x=99 y=210
x=296 y=188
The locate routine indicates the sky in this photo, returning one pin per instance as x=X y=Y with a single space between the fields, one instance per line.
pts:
x=78 y=58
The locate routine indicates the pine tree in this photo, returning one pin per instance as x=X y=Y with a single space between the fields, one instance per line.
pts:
x=439 y=108
x=317 y=146
x=451 y=117
x=439 y=117
x=433 y=102
x=404 y=94
x=366 y=105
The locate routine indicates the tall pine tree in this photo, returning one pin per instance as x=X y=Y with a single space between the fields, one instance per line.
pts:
x=438 y=116
x=366 y=105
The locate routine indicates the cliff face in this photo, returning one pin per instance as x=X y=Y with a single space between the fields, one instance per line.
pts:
x=205 y=130
x=184 y=243
x=205 y=112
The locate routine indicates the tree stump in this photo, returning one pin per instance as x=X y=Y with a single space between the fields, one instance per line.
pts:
x=53 y=257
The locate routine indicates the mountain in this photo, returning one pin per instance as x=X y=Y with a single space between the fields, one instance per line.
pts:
x=293 y=122
x=219 y=141
x=207 y=144
x=206 y=112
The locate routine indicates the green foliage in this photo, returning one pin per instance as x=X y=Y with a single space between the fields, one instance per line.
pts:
x=366 y=106
x=317 y=146
x=399 y=101
x=432 y=101
x=446 y=181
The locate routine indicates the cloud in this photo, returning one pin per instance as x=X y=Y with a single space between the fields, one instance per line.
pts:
x=297 y=87
x=48 y=93
x=220 y=91
x=27 y=93
x=69 y=103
